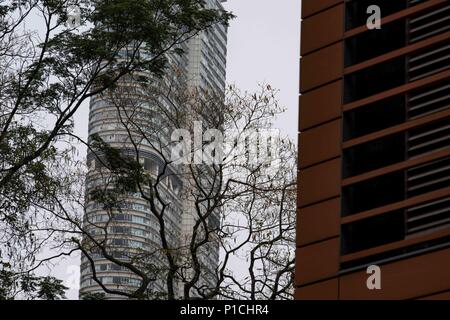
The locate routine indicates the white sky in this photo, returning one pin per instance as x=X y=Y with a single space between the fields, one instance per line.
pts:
x=263 y=47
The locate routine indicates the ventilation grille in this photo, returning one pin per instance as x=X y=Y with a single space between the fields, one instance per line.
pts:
x=429 y=138
x=429 y=99
x=429 y=216
x=430 y=177
x=436 y=175
x=429 y=62
x=429 y=24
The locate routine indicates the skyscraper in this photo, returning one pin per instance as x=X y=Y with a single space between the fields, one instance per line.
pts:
x=135 y=230
x=374 y=150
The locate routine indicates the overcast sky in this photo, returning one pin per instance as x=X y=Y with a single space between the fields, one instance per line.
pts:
x=263 y=47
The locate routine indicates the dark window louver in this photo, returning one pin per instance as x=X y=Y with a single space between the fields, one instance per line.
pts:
x=430 y=62
x=429 y=177
x=429 y=24
x=432 y=215
x=429 y=138
x=429 y=99
x=432 y=137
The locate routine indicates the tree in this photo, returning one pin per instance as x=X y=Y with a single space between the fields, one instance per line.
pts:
x=28 y=286
x=243 y=208
x=47 y=74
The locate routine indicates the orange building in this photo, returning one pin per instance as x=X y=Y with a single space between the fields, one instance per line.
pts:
x=374 y=176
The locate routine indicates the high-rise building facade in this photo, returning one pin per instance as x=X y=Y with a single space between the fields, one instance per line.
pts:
x=135 y=230
x=374 y=143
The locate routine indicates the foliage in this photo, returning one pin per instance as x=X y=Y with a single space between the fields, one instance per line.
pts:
x=26 y=286
x=244 y=209
x=48 y=71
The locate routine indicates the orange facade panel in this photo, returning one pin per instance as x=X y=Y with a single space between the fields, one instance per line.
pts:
x=322 y=29
x=320 y=105
x=320 y=182
x=321 y=67
x=326 y=290
x=320 y=143
x=317 y=262
x=411 y=278
x=310 y=7
x=318 y=222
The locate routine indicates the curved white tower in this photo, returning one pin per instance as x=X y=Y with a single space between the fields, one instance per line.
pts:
x=134 y=230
